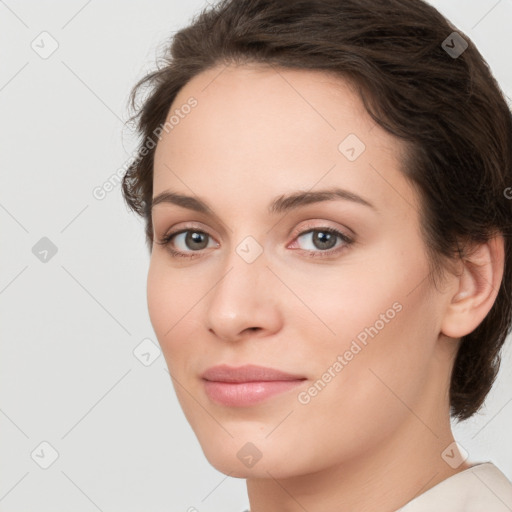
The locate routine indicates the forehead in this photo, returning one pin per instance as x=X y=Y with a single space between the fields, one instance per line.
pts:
x=255 y=99
x=288 y=128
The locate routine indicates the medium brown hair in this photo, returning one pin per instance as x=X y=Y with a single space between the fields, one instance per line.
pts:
x=448 y=111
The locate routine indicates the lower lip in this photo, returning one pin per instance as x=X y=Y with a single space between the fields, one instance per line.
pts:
x=240 y=394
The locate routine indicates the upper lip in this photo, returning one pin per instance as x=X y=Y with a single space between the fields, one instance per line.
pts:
x=247 y=373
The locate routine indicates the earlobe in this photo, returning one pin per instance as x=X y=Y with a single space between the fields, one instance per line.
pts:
x=478 y=287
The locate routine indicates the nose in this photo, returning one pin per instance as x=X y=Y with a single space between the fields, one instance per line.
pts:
x=244 y=300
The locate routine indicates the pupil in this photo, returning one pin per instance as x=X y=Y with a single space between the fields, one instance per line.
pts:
x=195 y=237
x=323 y=240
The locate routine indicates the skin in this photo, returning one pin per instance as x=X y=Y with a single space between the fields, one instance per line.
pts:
x=372 y=438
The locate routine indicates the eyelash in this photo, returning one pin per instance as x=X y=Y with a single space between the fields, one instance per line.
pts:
x=166 y=241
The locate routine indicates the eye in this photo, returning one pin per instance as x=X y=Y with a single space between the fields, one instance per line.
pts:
x=322 y=241
x=186 y=241
x=194 y=240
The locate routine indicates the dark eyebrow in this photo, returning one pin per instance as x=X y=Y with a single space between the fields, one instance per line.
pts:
x=181 y=200
x=297 y=199
x=282 y=203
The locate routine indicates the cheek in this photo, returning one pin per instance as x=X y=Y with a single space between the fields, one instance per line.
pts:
x=171 y=294
x=378 y=332
x=170 y=306
x=160 y=298
x=170 y=299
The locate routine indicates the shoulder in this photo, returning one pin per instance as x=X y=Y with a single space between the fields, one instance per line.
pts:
x=480 y=487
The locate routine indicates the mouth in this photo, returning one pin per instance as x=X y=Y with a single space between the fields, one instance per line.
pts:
x=247 y=385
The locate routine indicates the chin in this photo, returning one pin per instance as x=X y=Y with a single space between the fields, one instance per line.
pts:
x=246 y=459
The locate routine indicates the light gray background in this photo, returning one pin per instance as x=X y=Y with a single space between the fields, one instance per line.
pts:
x=69 y=326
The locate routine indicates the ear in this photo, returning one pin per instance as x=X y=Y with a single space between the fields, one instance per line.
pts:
x=478 y=287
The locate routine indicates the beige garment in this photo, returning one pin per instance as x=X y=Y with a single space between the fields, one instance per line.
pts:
x=480 y=488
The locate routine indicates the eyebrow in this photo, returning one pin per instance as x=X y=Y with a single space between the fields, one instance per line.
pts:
x=280 y=204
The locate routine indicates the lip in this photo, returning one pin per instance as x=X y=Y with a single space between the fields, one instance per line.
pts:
x=246 y=385
x=247 y=373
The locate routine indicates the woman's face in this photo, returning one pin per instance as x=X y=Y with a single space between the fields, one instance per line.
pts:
x=264 y=280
